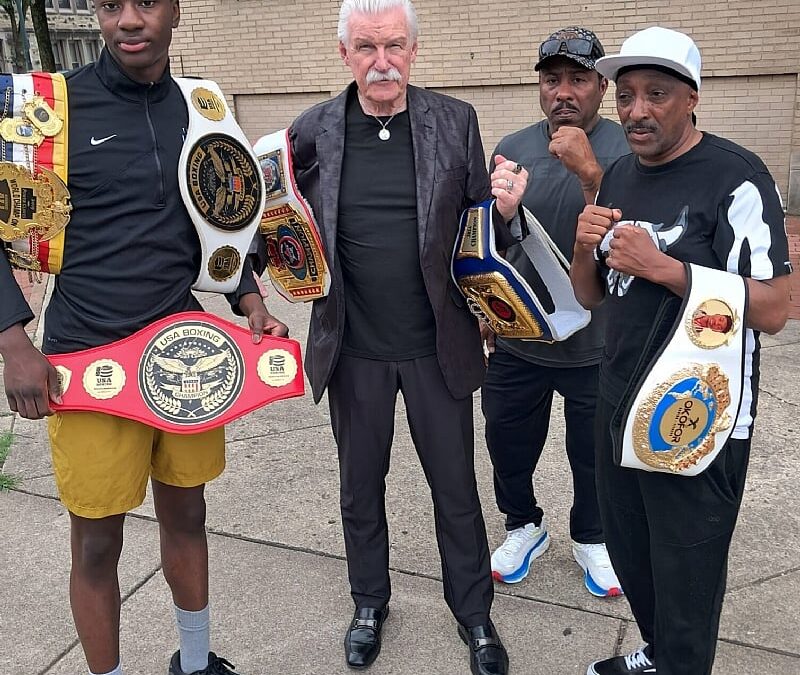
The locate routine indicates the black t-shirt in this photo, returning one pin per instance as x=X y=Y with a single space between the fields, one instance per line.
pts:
x=716 y=206
x=388 y=315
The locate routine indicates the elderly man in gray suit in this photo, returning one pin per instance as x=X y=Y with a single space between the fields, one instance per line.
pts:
x=388 y=169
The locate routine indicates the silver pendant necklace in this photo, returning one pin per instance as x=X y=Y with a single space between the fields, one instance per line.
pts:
x=384 y=134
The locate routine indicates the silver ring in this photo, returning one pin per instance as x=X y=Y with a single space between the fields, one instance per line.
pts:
x=509 y=185
x=517 y=169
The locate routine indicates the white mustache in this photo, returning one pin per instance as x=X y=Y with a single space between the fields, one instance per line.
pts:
x=374 y=75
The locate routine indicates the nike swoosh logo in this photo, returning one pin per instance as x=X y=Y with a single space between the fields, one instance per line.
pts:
x=99 y=141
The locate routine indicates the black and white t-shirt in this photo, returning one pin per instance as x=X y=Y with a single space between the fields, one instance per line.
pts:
x=715 y=206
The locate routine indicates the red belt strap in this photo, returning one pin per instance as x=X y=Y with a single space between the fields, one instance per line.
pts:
x=186 y=373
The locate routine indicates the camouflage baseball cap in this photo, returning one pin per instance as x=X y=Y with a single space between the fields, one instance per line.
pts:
x=576 y=43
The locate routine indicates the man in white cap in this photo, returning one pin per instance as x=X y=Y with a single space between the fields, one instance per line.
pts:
x=669 y=535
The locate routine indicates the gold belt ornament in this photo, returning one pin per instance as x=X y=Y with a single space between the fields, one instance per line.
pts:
x=31 y=205
x=35 y=203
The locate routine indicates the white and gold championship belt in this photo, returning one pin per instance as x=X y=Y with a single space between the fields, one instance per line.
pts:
x=295 y=255
x=499 y=295
x=683 y=410
x=221 y=186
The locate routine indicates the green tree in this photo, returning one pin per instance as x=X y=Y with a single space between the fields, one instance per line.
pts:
x=42 y=31
x=10 y=8
x=17 y=10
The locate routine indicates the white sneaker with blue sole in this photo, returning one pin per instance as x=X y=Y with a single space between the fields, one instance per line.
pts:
x=511 y=562
x=598 y=573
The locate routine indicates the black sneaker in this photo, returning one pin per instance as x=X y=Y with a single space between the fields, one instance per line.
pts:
x=636 y=663
x=216 y=666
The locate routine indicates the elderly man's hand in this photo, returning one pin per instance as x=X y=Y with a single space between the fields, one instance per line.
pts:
x=509 y=181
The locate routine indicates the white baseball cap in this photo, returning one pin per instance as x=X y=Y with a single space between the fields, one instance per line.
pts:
x=655 y=46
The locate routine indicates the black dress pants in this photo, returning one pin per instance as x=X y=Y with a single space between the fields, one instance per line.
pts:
x=668 y=537
x=517 y=397
x=362 y=396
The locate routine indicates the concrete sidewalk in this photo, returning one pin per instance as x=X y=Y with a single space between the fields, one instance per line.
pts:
x=280 y=601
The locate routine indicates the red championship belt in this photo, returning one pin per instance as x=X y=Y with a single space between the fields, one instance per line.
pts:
x=186 y=373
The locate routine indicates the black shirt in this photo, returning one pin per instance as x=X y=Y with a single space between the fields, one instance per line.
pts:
x=388 y=315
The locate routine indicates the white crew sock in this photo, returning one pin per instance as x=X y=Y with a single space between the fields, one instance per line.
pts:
x=116 y=671
x=195 y=637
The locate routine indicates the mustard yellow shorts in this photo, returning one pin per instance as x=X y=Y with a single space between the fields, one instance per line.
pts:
x=102 y=462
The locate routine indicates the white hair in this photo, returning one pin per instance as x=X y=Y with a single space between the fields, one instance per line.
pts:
x=375 y=7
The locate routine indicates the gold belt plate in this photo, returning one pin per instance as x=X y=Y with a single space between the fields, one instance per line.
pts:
x=39 y=113
x=491 y=298
x=295 y=261
x=31 y=204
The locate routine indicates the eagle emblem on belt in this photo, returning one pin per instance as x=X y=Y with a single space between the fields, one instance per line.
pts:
x=191 y=372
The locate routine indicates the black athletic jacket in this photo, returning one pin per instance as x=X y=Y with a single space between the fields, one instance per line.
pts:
x=131 y=251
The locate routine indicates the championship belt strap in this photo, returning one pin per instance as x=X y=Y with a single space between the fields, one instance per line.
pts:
x=186 y=373
x=295 y=255
x=498 y=294
x=221 y=185
x=34 y=199
x=682 y=406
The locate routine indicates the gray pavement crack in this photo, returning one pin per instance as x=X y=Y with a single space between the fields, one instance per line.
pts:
x=763 y=580
x=75 y=643
x=278 y=433
x=60 y=656
x=761 y=390
x=621 y=632
x=761 y=648
x=31 y=493
x=780 y=344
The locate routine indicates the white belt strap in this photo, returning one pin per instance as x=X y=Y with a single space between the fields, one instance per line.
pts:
x=221 y=185
x=685 y=409
x=568 y=316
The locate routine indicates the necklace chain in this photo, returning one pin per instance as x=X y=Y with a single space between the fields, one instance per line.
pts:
x=384 y=134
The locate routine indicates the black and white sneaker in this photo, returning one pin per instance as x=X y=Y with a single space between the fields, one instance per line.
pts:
x=636 y=663
x=216 y=666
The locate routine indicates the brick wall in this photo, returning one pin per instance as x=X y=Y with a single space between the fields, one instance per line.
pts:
x=261 y=114
x=260 y=51
x=34 y=292
x=793 y=230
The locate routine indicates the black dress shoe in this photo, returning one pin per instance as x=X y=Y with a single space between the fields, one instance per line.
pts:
x=487 y=656
x=362 y=642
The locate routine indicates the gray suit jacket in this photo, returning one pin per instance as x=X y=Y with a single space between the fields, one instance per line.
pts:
x=450 y=175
